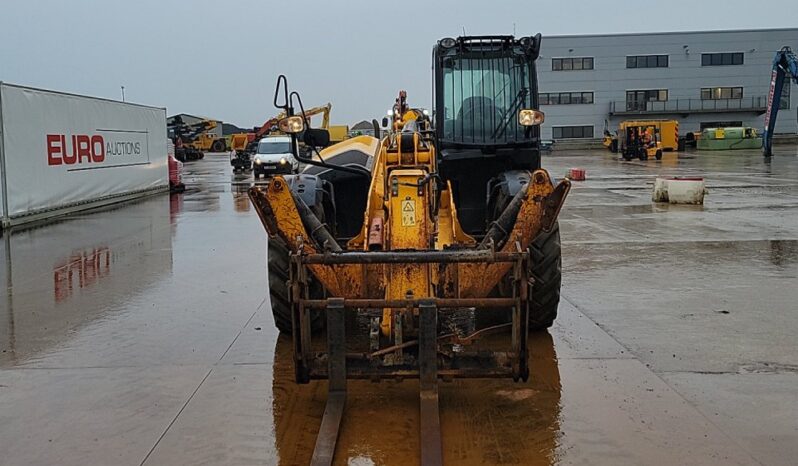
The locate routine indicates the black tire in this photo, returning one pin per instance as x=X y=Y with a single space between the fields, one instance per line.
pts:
x=278 y=262
x=546 y=255
x=218 y=146
x=658 y=155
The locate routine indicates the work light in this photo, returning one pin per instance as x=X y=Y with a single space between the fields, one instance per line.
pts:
x=292 y=124
x=528 y=117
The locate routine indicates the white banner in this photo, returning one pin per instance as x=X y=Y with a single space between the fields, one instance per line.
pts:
x=62 y=149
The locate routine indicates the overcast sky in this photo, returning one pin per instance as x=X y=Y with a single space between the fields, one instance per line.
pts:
x=221 y=58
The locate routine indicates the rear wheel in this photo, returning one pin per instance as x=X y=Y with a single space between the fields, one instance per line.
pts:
x=217 y=146
x=278 y=262
x=659 y=155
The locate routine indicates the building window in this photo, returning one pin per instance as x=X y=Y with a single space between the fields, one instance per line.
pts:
x=565 y=98
x=721 y=93
x=571 y=64
x=722 y=59
x=572 y=132
x=638 y=100
x=647 y=61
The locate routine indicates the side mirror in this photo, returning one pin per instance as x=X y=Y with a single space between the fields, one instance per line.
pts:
x=376 y=126
x=384 y=122
x=316 y=137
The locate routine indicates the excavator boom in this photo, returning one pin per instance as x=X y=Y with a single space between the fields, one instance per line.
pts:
x=785 y=68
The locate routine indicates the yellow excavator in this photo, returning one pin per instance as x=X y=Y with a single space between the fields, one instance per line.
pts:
x=440 y=235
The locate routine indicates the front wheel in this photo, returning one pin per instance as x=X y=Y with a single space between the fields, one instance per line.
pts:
x=545 y=269
x=279 y=293
x=659 y=155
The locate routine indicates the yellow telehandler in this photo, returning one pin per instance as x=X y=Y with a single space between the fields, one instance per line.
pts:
x=433 y=237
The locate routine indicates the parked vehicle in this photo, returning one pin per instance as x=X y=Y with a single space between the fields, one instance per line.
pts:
x=667 y=132
x=640 y=140
x=274 y=155
x=729 y=139
x=413 y=231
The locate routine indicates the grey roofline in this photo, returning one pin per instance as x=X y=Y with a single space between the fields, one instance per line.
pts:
x=72 y=94
x=666 y=33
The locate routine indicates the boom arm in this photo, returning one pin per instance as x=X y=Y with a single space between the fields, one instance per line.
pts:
x=189 y=132
x=266 y=127
x=785 y=65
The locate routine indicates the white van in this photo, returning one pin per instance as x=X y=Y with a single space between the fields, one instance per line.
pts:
x=274 y=156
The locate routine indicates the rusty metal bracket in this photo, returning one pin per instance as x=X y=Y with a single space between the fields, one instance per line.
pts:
x=553 y=204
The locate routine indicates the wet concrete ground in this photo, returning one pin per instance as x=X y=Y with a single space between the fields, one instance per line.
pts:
x=143 y=335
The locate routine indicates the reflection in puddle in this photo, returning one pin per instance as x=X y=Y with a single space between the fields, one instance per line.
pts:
x=240 y=197
x=81 y=270
x=65 y=275
x=782 y=252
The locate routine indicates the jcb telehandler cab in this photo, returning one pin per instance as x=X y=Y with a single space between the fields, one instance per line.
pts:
x=482 y=83
x=419 y=235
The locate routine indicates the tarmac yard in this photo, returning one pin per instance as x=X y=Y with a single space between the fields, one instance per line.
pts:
x=143 y=335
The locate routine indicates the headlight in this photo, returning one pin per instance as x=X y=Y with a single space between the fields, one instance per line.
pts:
x=447 y=43
x=528 y=117
x=283 y=161
x=257 y=161
x=291 y=125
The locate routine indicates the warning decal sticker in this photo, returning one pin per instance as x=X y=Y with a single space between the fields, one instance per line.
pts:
x=408 y=213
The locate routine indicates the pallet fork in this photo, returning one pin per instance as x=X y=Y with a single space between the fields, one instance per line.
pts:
x=428 y=358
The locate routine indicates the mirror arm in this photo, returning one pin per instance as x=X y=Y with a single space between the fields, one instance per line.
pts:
x=295 y=142
x=284 y=81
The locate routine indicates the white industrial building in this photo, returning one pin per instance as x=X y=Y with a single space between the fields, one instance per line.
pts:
x=701 y=79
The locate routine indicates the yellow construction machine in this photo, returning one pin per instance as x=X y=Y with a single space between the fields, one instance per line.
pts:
x=435 y=236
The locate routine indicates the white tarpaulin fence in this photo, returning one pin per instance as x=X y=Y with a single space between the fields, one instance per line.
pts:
x=61 y=150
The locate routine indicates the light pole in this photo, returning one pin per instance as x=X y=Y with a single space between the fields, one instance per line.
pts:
x=123 y=93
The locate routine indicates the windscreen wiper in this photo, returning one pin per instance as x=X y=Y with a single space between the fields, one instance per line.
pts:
x=515 y=106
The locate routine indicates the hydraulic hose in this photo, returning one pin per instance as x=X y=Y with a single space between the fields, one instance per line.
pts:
x=502 y=226
x=318 y=231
